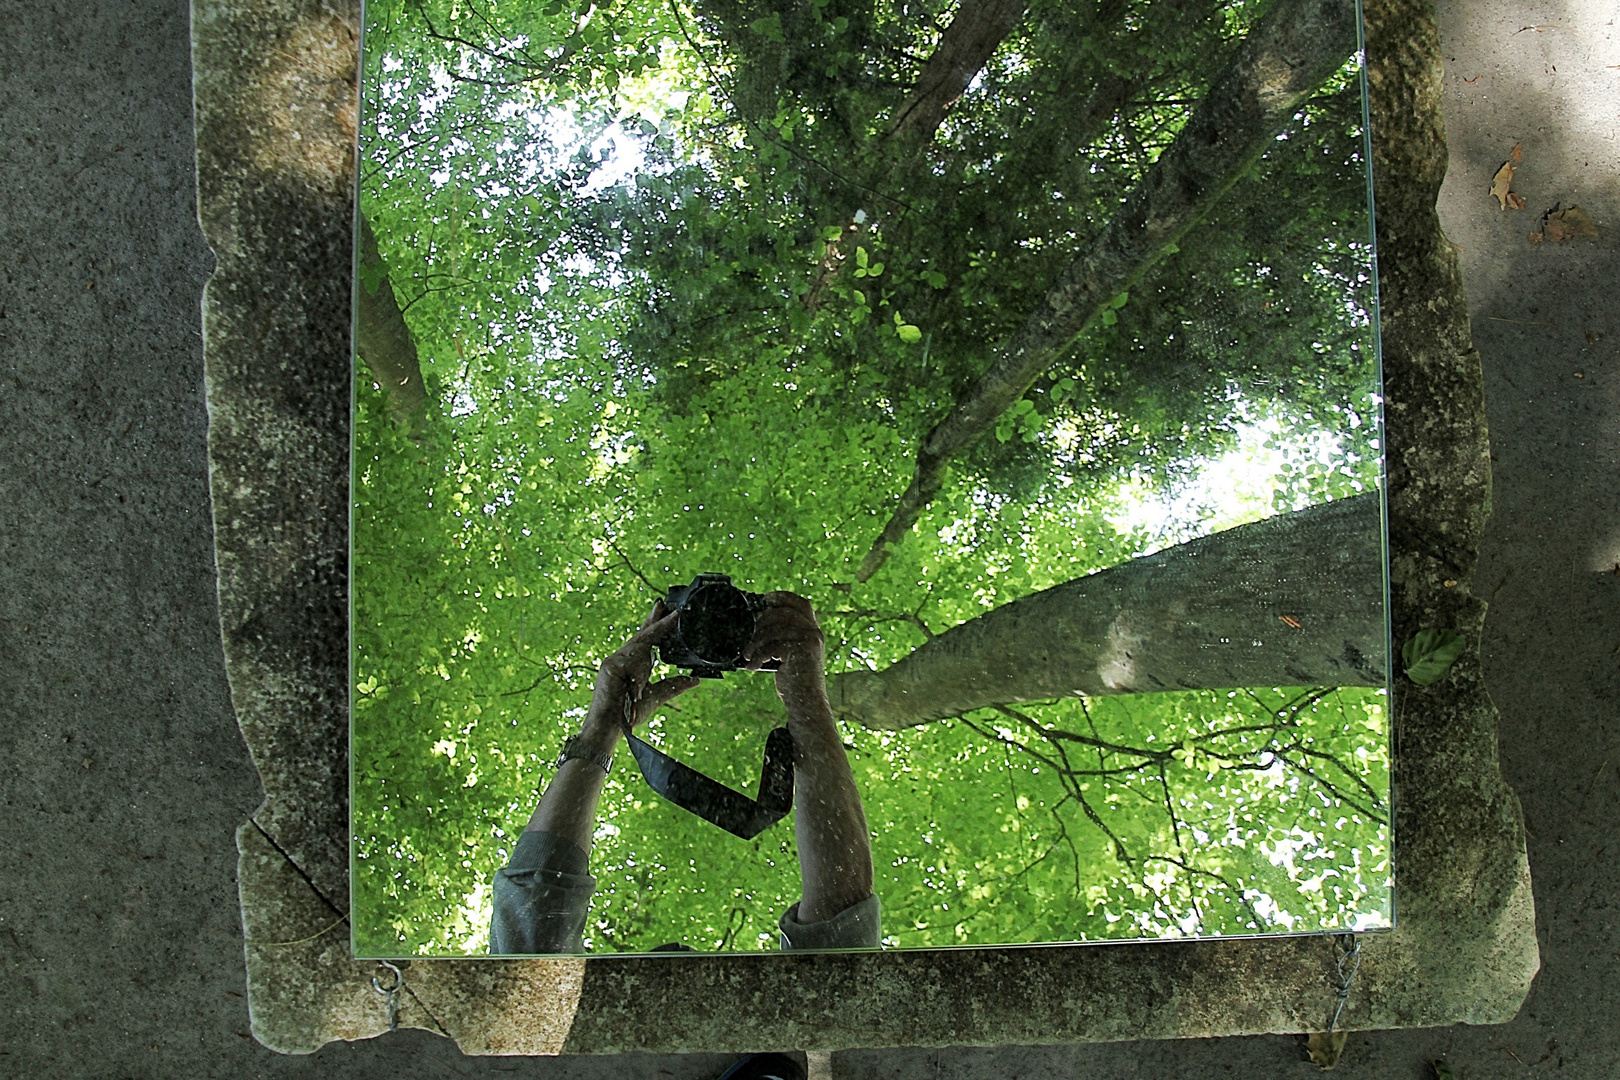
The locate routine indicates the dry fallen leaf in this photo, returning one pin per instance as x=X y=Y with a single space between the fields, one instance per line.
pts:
x=1565 y=224
x=1515 y=200
x=1325 y=1048
x=1535 y=238
x=1517 y=153
x=1501 y=182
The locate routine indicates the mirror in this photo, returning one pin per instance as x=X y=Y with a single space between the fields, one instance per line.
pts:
x=1028 y=349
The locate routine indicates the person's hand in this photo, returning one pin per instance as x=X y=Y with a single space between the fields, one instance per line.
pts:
x=627 y=672
x=787 y=630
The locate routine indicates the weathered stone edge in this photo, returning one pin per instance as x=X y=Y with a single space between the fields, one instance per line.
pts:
x=278 y=213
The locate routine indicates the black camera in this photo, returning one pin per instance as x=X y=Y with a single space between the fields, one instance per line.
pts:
x=714 y=624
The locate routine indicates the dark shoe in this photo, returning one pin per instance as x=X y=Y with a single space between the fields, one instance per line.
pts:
x=765 y=1067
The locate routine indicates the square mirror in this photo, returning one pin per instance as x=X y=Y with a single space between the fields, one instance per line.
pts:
x=1005 y=375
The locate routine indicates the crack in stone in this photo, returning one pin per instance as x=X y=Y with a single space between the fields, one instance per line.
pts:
x=294 y=864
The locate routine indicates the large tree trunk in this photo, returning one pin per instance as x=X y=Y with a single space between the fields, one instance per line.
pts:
x=383 y=340
x=1218 y=612
x=976 y=31
x=1285 y=58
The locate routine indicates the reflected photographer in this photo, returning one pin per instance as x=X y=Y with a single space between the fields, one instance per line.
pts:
x=542 y=897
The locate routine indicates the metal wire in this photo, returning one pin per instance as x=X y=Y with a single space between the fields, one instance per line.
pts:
x=1352 y=952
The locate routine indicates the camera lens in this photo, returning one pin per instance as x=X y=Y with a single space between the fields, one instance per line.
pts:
x=716 y=624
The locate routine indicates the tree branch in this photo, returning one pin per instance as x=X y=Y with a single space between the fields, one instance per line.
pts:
x=383 y=340
x=1231 y=887
x=1203 y=615
x=614 y=544
x=874 y=617
x=966 y=46
x=1294 y=48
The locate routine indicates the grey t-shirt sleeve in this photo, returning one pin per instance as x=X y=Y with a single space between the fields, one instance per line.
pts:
x=859 y=926
x=542 y=897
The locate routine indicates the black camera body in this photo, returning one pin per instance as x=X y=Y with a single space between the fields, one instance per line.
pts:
x=713 y=626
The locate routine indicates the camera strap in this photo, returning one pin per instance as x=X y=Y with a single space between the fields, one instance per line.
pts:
x=708 y=798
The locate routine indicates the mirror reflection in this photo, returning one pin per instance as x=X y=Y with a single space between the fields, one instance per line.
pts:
x=864 y=473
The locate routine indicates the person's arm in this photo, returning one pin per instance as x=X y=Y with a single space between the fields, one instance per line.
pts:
x=542 y=897
x=835 y=848
x=568 y=806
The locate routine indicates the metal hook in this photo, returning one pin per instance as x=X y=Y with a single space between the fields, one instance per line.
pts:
x=390 y=993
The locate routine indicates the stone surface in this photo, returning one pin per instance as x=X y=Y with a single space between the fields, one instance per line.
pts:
x=121 y=951
x=276 y=107
x=275 y=92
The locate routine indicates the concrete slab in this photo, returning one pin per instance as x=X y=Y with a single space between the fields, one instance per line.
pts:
x=275 y=94
x=119 y=928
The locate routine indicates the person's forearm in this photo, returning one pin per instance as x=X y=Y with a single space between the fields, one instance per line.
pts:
x=568 y=806
x=835 y=848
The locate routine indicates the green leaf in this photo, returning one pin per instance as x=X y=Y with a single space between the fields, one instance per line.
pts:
x=1108 y=317
x=1430 y=654
x=372 y=275
x=934 y=278
x=1120 y=301
x=909 y=334
x=769 y=28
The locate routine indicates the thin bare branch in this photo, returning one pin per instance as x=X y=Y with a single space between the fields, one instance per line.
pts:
x=1235 y=890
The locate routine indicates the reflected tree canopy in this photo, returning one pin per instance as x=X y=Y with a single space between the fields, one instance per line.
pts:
x=919 y=310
